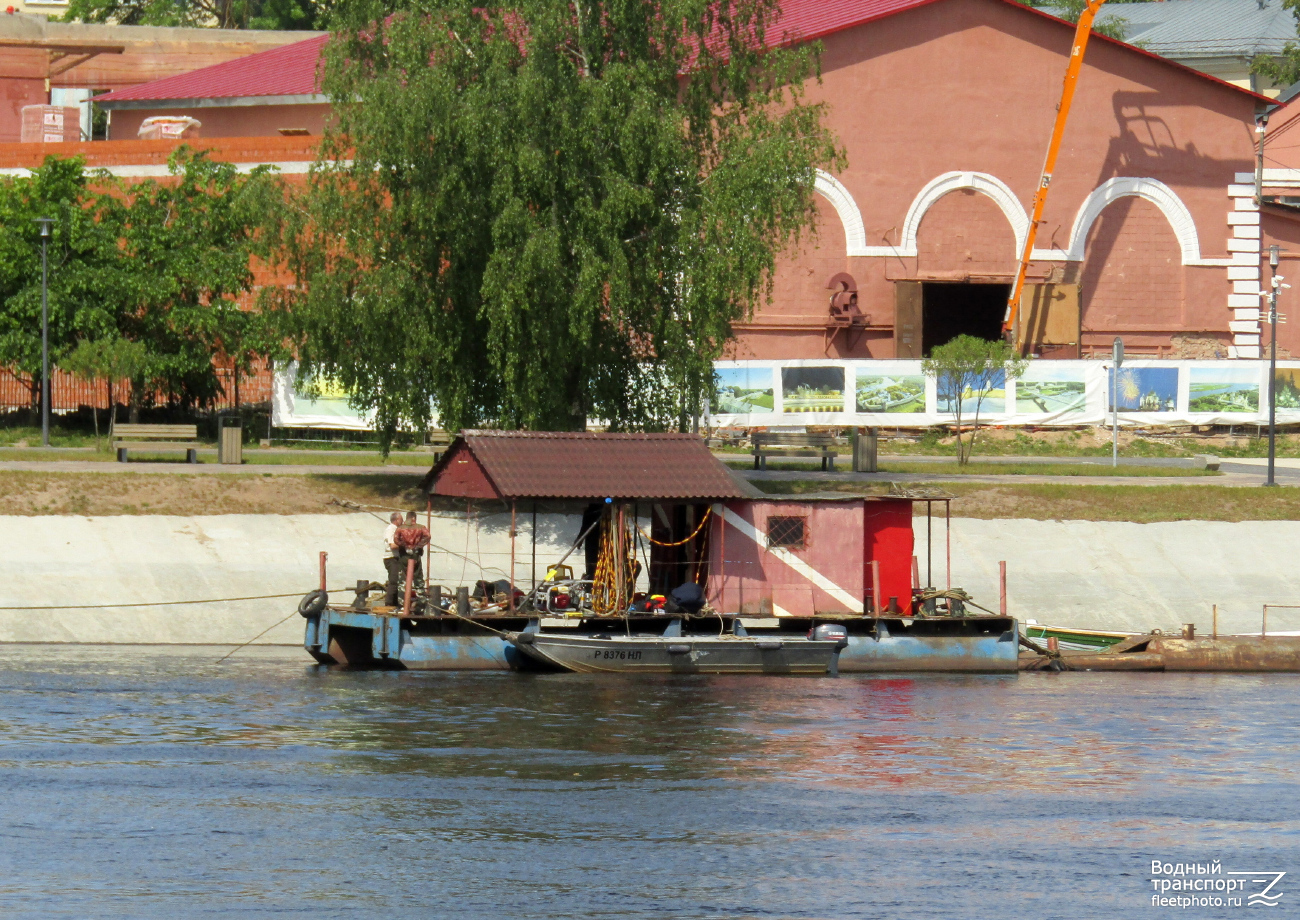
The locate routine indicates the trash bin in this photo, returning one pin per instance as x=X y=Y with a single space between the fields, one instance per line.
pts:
x=230 y=445
x=864 y=450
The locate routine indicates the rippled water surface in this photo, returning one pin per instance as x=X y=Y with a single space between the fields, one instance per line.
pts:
x=157 y=783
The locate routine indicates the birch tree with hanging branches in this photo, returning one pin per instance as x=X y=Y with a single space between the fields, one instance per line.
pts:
x=539 y=213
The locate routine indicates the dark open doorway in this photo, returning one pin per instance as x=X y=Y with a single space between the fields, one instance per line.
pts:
x=949 y=310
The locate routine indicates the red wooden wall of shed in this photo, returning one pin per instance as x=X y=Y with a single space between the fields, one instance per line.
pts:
x=464 y=477
x=889 y=541
x=756 y=580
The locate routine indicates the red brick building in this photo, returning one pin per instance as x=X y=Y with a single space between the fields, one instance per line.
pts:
x=945 y=108
x=1152 y=231
x=66 y=64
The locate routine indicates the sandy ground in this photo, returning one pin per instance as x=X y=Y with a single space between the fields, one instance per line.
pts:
x=88 y=489
x=97 y=494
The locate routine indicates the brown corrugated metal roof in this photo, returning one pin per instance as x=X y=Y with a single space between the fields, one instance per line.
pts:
x=594 y=465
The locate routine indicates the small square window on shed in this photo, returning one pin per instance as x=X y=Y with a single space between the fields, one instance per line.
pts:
x=786 y=531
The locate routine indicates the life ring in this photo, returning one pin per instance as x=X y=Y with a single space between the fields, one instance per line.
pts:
x=313 y=603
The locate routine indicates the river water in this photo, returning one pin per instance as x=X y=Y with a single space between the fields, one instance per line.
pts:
x=158 y=783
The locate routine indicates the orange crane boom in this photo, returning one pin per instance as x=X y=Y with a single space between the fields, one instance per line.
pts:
x=1081 y=33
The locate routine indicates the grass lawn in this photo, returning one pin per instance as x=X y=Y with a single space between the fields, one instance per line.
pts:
x=1093 y=442
x=100 y=494
x=38 y=455
x=1070 y=502
x=975 y=468
x=270 y=456
x=23 y=435
x=252 y=456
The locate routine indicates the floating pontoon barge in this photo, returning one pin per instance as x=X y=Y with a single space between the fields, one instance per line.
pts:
x=654 y=513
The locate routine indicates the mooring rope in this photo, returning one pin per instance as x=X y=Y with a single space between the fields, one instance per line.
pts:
x=254 y=639
x=703 y=520
x=210 y=600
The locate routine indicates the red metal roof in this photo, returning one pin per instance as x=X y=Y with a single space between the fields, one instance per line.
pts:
x=587 y=465
x=806 y=20
x=290 y=70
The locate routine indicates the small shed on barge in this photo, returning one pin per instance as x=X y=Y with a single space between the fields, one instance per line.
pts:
x=753 y=554
x=614 y=480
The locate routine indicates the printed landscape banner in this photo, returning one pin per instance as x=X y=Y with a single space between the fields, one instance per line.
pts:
x=892 y=388
x=989 y=396
x=746 y=390
x=1225 y=389
x=1146 y=389
x=1052 y=388
x=813 y=390
x=324 y=406
x=894 y=393
x=888 y=394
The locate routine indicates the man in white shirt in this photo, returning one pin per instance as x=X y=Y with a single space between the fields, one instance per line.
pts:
x=392 y=561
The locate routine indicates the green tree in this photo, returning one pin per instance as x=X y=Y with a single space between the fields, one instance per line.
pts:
x=109 y=360
x=184 y=248
x=968 y=368
x=543 y=212
x=76 y=249
x=162 y=265
x=1284 y=68
x=1109 y=24
x=223 y=14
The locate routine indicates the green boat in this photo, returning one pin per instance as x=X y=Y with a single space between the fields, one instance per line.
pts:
x=1075 y=639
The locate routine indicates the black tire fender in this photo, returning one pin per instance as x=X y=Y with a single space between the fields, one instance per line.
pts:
x=312 y=604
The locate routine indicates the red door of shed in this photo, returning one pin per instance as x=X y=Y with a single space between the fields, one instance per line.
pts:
x=889 y=541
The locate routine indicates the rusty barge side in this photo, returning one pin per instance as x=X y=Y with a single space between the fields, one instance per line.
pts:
x=386 y=639
x=1210 y=654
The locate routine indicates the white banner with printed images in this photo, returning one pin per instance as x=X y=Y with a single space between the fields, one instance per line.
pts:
x=753 y=394
x=896 y=394
x=325 y=405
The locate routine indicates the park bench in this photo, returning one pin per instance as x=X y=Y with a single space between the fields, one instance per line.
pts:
x=789 y=444
x=730 y=436
x=127 y=437
x=439 y=441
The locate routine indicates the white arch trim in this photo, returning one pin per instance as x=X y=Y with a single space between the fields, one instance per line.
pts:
x=1154 y=191
x=984 y=183
x=988 y=185
x=833 y=190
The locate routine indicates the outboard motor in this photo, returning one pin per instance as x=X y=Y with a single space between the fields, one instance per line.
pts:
x=689 y=597
x=828 y=631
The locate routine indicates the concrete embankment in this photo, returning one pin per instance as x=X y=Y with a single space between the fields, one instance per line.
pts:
x=1130 y=577
x=71 y=560
x=1118 y=576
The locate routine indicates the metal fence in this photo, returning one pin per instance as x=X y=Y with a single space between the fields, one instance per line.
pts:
x=69 y=393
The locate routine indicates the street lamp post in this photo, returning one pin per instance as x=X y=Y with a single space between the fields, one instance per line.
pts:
x=1116 y=359
x=45 y=330
x=1275 y=283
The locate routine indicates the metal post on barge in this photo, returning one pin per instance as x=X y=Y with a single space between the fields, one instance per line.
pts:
x=929 y=543
x=947 y=514
x=406 y=596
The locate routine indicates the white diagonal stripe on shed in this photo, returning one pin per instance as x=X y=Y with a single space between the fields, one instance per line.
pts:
x=803 y=568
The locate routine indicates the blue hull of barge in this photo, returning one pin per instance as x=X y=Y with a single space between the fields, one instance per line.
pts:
x=335 y=635
x=935 y=654
x=363 y=639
